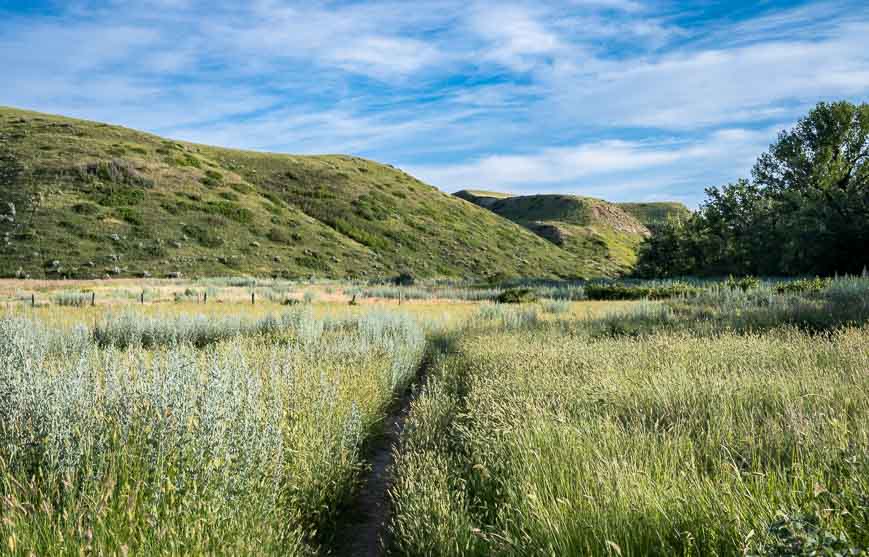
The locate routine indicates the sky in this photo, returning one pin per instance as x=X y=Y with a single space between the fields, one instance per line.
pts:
x=627 y=100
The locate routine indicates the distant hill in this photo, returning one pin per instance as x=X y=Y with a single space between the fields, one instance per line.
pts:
x=85 y=199
x=481 y=197
x=606 y=235
x=657 y=212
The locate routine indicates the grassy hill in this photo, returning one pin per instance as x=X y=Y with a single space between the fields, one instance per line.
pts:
x=600 y=233
x=482 y=198
x=654 y=213
x=85 y=199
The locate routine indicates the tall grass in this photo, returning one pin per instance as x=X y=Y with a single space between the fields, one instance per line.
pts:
x=529 y=443
x=236 y=282
x=71 y=298
x=718 y=308
x=506 y=317
x=247 y=446
x=427 y=292
x=731 y=420
x=278 y=293
x=555 y=306
x=468 y=293
x=132 y=328
x=565 y=292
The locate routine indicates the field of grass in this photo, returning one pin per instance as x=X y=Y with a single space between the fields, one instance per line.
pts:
x=730 y=424
x=527 y=442
x=707 y=418
x=187 y=435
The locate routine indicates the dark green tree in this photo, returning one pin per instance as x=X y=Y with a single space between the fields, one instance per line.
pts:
x=671 y=251
x=736 y=226
x=805 y=211
x=818 y=177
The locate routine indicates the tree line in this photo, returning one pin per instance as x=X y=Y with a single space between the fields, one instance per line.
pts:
x=805 y=210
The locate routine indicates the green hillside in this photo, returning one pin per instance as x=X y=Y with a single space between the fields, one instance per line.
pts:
x=84 y=199
x=481 y=197
x=657 y=212
x=598 y=232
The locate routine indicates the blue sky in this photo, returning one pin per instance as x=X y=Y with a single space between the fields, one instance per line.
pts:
x=620 y=99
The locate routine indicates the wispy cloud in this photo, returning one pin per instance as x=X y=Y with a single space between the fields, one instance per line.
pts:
x=616 y=169
x=514 y=36
x=691 y=89
x=614 y=98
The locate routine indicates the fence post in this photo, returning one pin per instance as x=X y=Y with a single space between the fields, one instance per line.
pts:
x=205 y=298
x=253 y=297
x=32 y=300
x=93 y=299
x=142 y=297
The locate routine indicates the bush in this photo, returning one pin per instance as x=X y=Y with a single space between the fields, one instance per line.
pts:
x=229 y=210
x=639 y=292
x=279 y=236
x=119 y=196
x=187 y=160
x=403 y=279
x=803 y=286
x=742 y=283
x=212 y=179
x=347 y=228
x=72 y=299
x=130 y=215
x=500 y=278
x=804 y=535
x=85 y=209
x=517 y=296
x=117 y=171
x=204 y=236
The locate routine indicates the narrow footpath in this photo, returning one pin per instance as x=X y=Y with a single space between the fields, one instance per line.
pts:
x=365 y=529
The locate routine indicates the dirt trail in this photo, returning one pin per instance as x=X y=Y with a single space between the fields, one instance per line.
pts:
x=365 y=527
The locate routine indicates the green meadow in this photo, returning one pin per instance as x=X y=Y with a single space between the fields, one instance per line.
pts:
x=704 y=418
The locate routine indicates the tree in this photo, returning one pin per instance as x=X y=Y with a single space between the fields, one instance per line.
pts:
x=817 y=175
x=737 y=223
x=671 y=251
x=805 y=211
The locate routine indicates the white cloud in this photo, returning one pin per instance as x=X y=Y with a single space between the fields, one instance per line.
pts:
x=612 y=169
x=514 y=35
x=695 y=89
x=373 y=40
x=339 y=130
x=384 y=56
x=549 y=165
x=517 y=94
